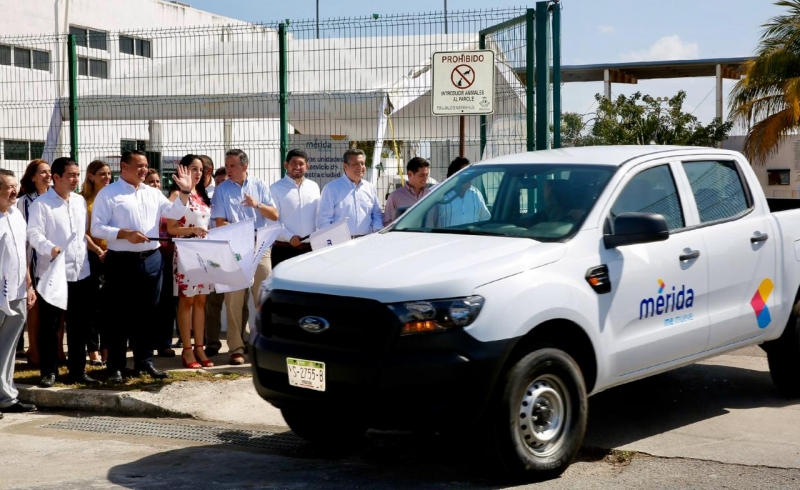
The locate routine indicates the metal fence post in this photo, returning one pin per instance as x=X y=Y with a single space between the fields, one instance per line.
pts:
x=530 y=60
x=556 y=75
x=482 y=45
x=72 y=59
x=283 y=66
x=542 y=76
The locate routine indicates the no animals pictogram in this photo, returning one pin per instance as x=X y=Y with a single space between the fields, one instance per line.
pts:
x=463 y=76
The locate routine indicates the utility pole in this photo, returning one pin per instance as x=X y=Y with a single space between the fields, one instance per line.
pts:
x=445 y=16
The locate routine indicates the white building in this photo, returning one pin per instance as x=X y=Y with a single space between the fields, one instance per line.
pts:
x=116 y=40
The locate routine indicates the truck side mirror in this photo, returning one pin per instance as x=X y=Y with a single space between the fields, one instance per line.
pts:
x=633 y=228
x=399 y=211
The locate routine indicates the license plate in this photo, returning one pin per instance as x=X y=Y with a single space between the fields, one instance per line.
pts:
x=306 y=374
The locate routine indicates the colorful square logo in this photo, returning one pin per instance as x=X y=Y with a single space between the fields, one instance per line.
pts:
x=759 y=303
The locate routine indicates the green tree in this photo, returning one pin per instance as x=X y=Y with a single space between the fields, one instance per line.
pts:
x=767 y=100
x=640 y=120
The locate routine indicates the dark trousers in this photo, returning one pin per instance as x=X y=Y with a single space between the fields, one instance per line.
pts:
x=214 y=319
x=94 y=334
x=167 y=306
x=77 y=320
x=281 y=252
x=133 y=280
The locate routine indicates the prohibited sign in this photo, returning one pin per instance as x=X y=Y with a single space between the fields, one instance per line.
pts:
x=463 y=83
x=463 y=76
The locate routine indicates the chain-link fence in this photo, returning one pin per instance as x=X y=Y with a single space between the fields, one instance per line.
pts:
x=362 y=82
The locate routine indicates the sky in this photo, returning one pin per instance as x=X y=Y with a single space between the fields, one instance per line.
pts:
x=593 y=31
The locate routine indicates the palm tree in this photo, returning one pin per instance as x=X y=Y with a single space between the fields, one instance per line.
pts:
x=767 y=99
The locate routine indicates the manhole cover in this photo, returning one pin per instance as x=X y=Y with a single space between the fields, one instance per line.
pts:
x=257 y=439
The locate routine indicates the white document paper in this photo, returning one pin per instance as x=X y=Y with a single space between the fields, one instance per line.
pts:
x=330 y=235
x=52 y=286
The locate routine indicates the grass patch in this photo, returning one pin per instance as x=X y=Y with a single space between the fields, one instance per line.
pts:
x=620 y=458
x=136 y=383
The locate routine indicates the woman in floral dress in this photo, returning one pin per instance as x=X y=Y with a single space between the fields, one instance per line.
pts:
x=192 y=297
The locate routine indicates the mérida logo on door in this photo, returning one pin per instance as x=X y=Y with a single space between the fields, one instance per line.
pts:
x=668 y=301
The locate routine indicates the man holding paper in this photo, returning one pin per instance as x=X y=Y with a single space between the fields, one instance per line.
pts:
x=16 y=292
x=297 y=199
x=127 y=215
x=351 y=197
x=57 y=226
x=240 y=198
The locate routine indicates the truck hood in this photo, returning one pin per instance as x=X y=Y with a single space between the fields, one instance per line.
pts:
x=399 y=266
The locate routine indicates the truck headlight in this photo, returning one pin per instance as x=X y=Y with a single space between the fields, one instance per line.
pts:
x=438 y=315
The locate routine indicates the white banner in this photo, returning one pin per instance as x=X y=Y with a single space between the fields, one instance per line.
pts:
x=330 y=235
x=5 y=260
x=52 y=286
x=209 y=261
x=227 y=257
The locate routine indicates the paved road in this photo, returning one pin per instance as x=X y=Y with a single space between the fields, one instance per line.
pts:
x=712 y=425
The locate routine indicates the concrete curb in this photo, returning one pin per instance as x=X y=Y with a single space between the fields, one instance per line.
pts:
x=117 y=402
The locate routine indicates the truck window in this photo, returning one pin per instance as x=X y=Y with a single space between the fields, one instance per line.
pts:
x=651 y=191
x=718 y=189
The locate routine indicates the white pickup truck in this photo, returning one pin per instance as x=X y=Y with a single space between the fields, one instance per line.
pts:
x=524 y=284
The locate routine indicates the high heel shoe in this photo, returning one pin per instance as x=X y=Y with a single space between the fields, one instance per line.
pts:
x=207 y=363
x=190 y=365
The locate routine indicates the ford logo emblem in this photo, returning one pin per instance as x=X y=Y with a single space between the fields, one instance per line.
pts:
x=314 y=324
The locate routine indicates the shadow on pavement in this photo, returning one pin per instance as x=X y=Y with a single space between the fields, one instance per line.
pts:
x=386 y=460
x=676 y=399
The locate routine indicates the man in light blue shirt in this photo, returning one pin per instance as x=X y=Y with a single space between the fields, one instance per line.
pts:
x=239 y=198
x=350 y=196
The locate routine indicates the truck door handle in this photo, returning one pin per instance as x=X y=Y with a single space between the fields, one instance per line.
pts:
x=689 y=256
x=759 y=238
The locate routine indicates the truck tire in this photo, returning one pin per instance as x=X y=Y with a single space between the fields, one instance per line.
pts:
x=324 y=428
x=783 y=355
x=544 y=386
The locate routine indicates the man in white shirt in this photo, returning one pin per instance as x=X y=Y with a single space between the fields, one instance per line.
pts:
x=297 y=200
x=239 y=198
x=463 y=205
x=127 y=214
x=352 y=197
x=53 y=219
x=16 y=295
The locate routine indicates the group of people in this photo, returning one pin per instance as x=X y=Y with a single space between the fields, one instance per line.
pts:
x=122 y=274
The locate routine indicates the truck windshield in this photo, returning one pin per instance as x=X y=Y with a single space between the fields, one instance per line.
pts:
x=546 y=202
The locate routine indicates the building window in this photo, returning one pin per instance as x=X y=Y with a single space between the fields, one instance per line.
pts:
x=778 y=176
x=37 y=149
x=98 y=40
x=80 y=36
x=22 y=57
x=89 y=38
x=41 y=60
x=98 y=68
x=143 y=48
x=92 y=67
x=15 y=150
x=126 y=45
x=130 y=145
x=138 y=47
x=5 y=55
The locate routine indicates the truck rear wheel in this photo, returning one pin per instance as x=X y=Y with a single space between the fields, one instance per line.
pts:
x=324 y=428
x=783 y=355
x=537 y=425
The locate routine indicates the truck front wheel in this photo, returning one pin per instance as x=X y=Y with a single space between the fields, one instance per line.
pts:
x=783 y=355
x=537 y=425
